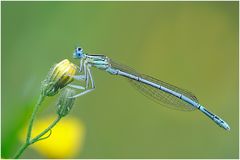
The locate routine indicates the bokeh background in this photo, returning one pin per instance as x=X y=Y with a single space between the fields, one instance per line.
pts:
x=193 y=45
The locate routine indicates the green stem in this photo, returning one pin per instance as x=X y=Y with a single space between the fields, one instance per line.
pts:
x=26 y=144
x=40 y=100
x=20 y=151
x=35 y=139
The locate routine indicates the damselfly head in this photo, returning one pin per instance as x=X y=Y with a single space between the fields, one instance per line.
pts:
x=78 y=53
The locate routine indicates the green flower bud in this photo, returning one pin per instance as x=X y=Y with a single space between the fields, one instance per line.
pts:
x=65 y=103
x=58 y=77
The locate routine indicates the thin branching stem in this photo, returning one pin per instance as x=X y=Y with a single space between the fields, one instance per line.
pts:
x=29 y=131
x=20 y=151
x=40 y=100
x=37 y=138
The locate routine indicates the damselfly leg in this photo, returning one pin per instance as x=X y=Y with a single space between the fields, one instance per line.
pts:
x=87 y=76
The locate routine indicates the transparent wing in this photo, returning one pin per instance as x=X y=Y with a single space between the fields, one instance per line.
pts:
x=157 y=95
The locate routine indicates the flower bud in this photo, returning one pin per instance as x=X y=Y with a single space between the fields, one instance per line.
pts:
x=65 y=103
x=58 y=77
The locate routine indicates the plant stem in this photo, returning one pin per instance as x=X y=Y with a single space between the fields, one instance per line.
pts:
x=20 y=151
x=26 y=144
x=37 y=138
x=40 y=100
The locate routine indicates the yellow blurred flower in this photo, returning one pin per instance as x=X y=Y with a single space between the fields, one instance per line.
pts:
x=65 y=141
x=58 y=77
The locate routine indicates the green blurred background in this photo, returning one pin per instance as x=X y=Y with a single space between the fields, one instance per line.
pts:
x=193 y=45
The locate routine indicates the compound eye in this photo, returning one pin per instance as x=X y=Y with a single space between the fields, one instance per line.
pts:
x=79 y=49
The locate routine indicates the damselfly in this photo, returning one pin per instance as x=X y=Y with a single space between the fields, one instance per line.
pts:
x=153 y=88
